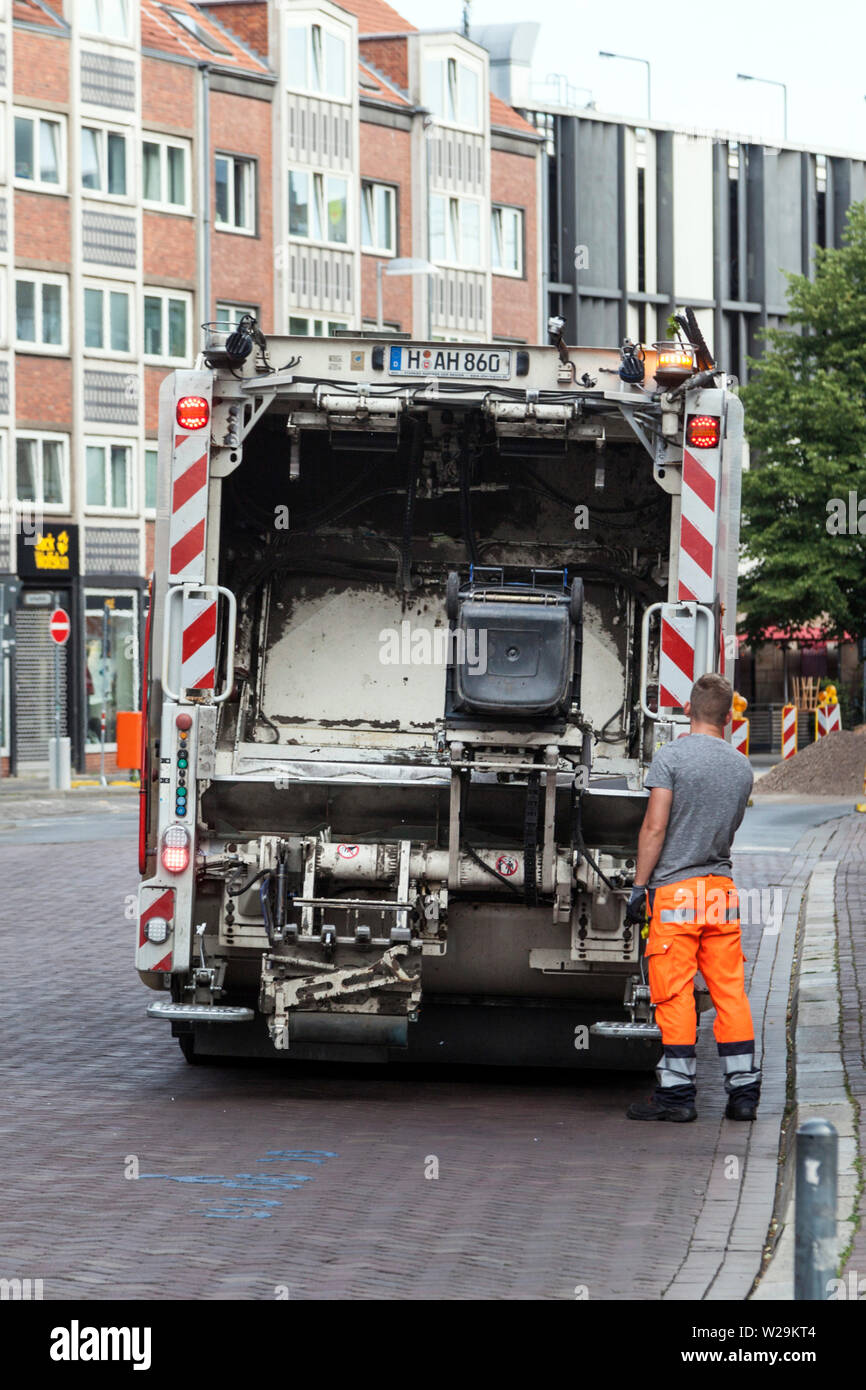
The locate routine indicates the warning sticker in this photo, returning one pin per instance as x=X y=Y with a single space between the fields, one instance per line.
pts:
x=357 y=361
x=506 y=865
x=348 y=851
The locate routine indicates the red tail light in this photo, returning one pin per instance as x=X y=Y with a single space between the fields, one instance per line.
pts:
x=704 y=432
x=193 y=412
x=175 y=849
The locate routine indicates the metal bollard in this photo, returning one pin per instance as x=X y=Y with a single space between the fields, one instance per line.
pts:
x=815 y=1210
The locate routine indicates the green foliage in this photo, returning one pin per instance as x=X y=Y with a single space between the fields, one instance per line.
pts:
x=806 y=423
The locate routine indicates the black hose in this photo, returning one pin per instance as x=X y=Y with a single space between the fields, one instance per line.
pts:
x=234 y=892
x=577 y=840
x=469 y=849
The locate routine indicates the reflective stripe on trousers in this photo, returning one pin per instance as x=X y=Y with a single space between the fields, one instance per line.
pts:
x=694 y=924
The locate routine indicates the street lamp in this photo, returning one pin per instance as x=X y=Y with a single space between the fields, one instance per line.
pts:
x=626 y=58
x=770 y=82
x=402 y=265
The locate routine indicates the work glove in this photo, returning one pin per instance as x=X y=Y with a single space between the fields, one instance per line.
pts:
x=636 y=910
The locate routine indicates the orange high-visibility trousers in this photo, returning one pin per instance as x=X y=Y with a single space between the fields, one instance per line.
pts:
x=695 y=925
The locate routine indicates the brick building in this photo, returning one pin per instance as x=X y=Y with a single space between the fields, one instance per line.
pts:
x=169 y=164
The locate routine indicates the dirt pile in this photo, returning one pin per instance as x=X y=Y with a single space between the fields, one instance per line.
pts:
x=831 y=767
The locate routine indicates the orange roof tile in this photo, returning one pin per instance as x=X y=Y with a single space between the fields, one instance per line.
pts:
x=31 y=12
x=376 y=86
x=377 y=17
x=159 y=30
x=501 y=114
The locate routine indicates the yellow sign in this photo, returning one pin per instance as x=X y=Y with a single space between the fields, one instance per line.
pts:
x=52 y=552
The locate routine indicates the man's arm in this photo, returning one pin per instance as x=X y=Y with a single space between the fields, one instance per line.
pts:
x=652 y=833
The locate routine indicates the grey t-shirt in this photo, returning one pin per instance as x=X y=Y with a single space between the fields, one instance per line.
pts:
x=711 y=783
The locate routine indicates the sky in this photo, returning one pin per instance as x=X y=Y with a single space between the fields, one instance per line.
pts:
x=695 y=53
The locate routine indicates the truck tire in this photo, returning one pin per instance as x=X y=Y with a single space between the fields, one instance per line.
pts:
x=452 y=595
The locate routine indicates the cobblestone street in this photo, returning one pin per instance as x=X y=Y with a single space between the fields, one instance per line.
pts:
x=256 y=1179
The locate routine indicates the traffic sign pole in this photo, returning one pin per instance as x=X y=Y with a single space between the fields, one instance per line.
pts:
x=59 y=627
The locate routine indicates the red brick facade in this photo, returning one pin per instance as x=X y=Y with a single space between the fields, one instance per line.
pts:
x=42 y=229
x=386 y=156
x=168 y=96
x=41 y=66
x=513 y=181
x=43 y=391
x=249 y=21
x=243 y=266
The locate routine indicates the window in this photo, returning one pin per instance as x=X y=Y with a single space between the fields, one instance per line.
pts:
x=316 y=59
x=507 y=240
x=41 y=470
x=199 y=31
x=107 y=319
x=165 y=166
x=455 y=231
x=40 y=312
x=151 y=458
x=103 y=161
x=379 y=218
x=39 y=153
x=107 y=17
x=229 y=315
x=167 y=316
x=318 y=207
x=452 y=90
x=314 y=328
x=108 y=474
x=235 y=180
x=112 y=661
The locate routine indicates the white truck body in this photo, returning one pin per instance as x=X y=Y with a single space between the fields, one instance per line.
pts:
x=426 y=611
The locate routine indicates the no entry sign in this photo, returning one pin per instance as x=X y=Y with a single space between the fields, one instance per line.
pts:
x=59 y=626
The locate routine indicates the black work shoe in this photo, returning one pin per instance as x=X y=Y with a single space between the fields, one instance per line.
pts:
x=651 y=1110
x=741 y=1109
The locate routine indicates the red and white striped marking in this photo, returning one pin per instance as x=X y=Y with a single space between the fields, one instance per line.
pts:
x=699 y=525
x=697 y=570
x=189 y=488
x=677 y=659
x=198 y=652
x=828 y=718
x=740 y=735
x=153 y=955
x=789 y=730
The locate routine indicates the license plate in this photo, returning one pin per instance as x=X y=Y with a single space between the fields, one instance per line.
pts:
x=464 y=363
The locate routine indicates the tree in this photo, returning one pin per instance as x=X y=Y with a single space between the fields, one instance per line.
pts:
x=804 y=534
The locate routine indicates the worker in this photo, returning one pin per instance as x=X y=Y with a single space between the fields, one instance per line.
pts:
x=699 y=790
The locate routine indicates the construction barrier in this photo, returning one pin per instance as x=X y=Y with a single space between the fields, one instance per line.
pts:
x=740 y=735
x=789 y=730
x=828 y=718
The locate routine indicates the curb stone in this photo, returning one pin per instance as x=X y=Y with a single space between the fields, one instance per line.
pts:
x=819 y=1078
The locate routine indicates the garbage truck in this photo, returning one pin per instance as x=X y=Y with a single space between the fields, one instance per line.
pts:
x=421 y=614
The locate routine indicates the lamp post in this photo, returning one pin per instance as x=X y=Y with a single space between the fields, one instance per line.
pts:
x=771 y=82
x=627 y=58
x=402 y=265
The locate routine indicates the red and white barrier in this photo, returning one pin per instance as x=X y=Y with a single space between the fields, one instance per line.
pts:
x=740 y=735
x=789 y=730
x=828 y=718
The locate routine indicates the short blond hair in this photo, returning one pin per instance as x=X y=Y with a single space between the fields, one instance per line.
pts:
x=711 y=699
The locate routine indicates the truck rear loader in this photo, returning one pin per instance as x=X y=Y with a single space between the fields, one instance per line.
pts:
x=420 y=615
